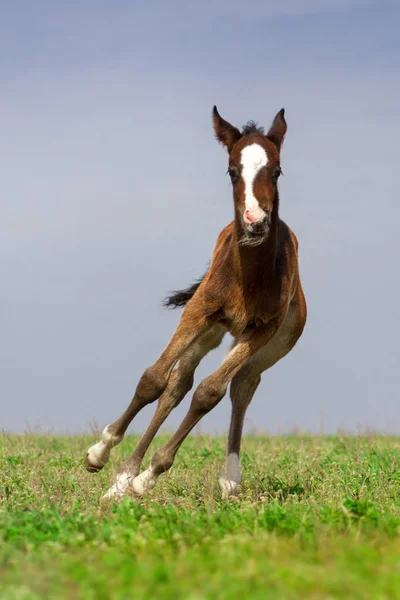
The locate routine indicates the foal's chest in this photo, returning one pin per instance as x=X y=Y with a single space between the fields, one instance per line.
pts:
x=248 y=299
x=244 y=311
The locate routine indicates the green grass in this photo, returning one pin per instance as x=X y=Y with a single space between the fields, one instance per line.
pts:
x=316 y=518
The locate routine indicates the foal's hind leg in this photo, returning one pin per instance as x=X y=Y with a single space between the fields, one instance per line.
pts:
x=245 y=384
x=151 y=385
x=179 y=384
x=243 y=387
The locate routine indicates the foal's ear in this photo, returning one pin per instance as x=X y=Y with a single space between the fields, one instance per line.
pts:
x=278 y=129
x=225 y=133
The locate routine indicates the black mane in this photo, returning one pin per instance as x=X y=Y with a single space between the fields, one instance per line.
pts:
x=252 y=127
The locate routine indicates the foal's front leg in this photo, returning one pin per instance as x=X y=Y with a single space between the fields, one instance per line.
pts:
x=245 y=383
x=180 y=382
x=150 y=387
x=207 y=395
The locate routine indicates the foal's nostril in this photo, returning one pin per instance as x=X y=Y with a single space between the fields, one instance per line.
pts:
x=261 y=223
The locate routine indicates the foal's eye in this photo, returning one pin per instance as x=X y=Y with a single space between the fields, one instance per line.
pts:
x=233 y=174
x=277 y=172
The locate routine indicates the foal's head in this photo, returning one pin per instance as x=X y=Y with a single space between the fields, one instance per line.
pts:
x=254 y=169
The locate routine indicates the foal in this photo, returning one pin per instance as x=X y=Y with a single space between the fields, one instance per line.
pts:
x=252 y=289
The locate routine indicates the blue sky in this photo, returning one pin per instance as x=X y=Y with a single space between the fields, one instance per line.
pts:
x=114 y=190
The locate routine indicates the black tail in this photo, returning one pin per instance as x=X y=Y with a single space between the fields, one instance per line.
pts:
x=180 y=298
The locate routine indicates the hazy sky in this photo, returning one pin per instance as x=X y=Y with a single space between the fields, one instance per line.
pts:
x=113 y=191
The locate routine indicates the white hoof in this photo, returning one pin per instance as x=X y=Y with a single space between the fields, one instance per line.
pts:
x=144 y=482
x=120 y=487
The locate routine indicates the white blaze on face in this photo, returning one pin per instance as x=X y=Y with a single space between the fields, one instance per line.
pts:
x=253 y=159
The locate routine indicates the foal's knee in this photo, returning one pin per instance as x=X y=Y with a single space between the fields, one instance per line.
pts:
x=151 y=385
x=206 y=396
x=177 y=388
x=180 y=383
x=184 y=386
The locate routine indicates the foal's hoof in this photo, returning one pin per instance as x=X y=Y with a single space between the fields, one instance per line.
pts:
x=97 y=457
x=89 y=466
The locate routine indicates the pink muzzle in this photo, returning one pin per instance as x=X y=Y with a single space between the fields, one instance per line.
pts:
x=252 y=216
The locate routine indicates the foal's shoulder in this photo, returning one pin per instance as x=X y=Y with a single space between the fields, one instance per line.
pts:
x=226 y=233
x=287 y=235
x=224 y=237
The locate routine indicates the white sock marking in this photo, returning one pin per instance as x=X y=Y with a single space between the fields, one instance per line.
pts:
x=99 y=454
x=253 y=159
x=230 y=475
x=144 y=482
x=118 y=490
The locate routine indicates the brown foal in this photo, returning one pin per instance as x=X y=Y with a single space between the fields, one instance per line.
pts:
x=252 y=289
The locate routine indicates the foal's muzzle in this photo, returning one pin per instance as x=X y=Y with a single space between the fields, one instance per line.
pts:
x=259 y=225
x=259 y=228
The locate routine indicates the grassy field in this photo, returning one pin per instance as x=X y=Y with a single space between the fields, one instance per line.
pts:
x=317 y=518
